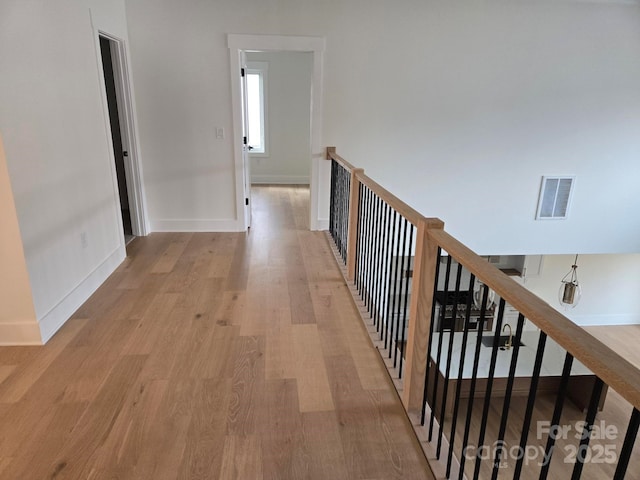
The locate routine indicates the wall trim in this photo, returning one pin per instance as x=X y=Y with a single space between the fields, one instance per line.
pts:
x=322 y=223
x=605 y=319
x=55 y=318
x=281 y=179
x=196 y=225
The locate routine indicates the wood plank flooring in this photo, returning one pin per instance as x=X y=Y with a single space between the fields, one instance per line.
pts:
x=211 y=356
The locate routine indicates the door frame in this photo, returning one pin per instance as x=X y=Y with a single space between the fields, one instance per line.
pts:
x=246 y=161
x=133 y=168
x=238 y=44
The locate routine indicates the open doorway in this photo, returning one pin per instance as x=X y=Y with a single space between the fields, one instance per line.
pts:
x=116 y=135
x=240 y=46
x=279 y=117
x=119 y=108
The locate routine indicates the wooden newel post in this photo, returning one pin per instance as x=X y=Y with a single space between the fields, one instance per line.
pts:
x=424 y=272
x=352 y=233
x=330 y=150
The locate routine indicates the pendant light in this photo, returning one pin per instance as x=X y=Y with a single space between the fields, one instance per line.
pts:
x=570 y=291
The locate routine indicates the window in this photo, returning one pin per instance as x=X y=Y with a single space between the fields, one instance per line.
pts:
x=256 y=107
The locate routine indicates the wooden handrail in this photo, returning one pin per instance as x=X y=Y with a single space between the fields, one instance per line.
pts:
x=606 y=363
x=332 y=155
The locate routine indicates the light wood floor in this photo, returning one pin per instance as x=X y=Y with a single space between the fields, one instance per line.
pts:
x=209 y=356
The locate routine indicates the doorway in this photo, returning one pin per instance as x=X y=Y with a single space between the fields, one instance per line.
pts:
x=118 y=103
x=116 y=135
x=280 y=140
x=240 y=45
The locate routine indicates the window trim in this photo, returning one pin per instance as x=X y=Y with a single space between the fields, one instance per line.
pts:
x=262 y=69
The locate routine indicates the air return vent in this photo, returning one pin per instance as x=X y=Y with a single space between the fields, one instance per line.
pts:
x=555 y=198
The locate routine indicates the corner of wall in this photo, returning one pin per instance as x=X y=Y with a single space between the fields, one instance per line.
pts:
x=55 y=318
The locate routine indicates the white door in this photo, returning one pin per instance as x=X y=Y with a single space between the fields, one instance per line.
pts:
x=245 y=144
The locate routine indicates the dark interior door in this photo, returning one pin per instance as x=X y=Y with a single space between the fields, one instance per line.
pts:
x=116 y=135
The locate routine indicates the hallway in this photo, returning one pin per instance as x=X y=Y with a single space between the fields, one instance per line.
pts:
x=211 y=355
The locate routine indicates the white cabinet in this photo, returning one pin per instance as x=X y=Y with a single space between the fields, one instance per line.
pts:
x=523 y=266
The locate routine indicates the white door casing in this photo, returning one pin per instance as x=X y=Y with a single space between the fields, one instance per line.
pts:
x=133 y=168
x=246 y=161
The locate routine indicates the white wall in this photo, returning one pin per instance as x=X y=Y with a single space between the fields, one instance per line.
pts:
x=58 y=149
x=458 y=107
x=180 y=65
x=288 y=96
x=610 y=286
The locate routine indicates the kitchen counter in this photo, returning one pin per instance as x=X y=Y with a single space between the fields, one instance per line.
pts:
x=580 y=383
x=552 y=363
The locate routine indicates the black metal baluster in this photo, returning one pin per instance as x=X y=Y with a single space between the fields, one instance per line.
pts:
x=627 y=446
x=365 y=260
x=336 y=203
x=372 y=261
x=345 y=214
x=507 y=396
x=533 y=390
x=443 y=309
x=557 y=412
x=365 y=245
x=487 y=395
x=402 y=288
x=382 y=257
x=338 y=213
x=583 y=450
x=474 y=377
x=356 y=278
x=395 y=285
x=463 y=353
x=392 y=296
x=431 y=327
x=372 y=199
x=359 y=242
x=376 y=269
x=406 y=299
x=386 y=283
x=445 y=386
x=332 y=199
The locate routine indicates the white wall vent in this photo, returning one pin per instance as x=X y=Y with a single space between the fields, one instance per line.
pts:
x=555 y=197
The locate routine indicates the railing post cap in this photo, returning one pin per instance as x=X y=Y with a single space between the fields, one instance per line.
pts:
x=434 y=223
x=330 y=150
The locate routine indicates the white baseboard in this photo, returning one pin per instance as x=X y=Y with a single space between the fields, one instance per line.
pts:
x=322 y=224
x=20 y=333
x=196 y=226
x=280 y=179
x=597 y=320
x=51 y=322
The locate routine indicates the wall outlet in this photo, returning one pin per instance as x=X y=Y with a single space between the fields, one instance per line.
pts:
x=83 y=240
